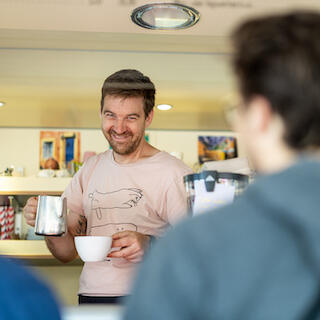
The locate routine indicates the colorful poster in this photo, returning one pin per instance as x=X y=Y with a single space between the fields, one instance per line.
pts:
x=214 y=148
x=58 y=149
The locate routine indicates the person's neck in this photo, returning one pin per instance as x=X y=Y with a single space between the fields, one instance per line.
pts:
x=274 y=158
x=144 y=150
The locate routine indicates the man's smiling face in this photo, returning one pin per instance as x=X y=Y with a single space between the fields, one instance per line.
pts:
x=123 y=123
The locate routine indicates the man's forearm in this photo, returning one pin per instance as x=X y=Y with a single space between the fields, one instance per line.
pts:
x=62 y=247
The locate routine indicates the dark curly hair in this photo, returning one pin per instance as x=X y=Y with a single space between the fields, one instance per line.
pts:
x=278 y=57
x=130 y=83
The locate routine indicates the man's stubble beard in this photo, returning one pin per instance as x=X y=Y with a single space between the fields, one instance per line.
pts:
x=124 y=149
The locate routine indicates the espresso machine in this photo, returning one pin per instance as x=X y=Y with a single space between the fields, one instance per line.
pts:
x=211 y=189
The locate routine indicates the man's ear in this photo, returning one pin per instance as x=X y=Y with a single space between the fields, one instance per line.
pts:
x=259 y=114
x=149 y=118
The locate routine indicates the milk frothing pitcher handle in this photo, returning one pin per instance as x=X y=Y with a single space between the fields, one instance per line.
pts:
x=64 y=215
x=38 y=205
x=60 y=208
x=37 y=222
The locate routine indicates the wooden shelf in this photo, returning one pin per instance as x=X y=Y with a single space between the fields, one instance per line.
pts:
x=26 y=249
x=34 y=252
x=32 y=185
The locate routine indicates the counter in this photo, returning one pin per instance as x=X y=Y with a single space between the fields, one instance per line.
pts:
x=93 y=312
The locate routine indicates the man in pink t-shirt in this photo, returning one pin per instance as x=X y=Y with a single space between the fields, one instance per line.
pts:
x=133 y=192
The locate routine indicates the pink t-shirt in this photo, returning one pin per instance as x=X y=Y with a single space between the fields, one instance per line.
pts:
x=146 y=196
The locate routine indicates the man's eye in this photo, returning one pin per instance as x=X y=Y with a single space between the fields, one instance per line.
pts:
x=108 y=115
x=132 y=118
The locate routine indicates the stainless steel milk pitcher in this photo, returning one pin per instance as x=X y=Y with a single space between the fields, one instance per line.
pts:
x=51 y=219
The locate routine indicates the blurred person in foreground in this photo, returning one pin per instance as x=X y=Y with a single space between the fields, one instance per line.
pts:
x=258 y=258
x=133 y=192
x=23 y=295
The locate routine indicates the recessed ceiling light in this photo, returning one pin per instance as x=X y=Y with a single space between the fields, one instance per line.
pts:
x=2 y=103
x=164 y=107
x=165 y=16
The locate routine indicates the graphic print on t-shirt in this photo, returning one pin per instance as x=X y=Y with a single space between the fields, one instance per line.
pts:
x=125 y=198
x=110 y=213
x=111 y=228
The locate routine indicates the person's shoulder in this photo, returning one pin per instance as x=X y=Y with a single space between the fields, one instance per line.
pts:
x=22 y=281
x=99 y=156
x=14 y=267
x=18 y=274
x=299 y=178
x=220 y=224
x=173 y=164
x=93 y=160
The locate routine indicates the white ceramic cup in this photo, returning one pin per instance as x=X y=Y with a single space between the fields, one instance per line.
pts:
x=93 y=248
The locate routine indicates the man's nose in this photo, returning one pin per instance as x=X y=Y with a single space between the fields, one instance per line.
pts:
x=119 y=126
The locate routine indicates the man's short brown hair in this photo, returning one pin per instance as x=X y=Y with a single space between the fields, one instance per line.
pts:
x=130 y=83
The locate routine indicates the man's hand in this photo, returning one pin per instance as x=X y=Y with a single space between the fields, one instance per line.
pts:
x=133 y=245
x=30 y=211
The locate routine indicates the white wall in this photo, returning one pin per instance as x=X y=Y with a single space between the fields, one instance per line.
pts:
x=187 y=142
x=20 y=146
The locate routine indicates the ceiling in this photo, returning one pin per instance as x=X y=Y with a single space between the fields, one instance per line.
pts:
x=55 y=55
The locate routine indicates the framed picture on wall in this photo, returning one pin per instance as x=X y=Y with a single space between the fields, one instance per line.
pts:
x=58 y=149
x=215 y=148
